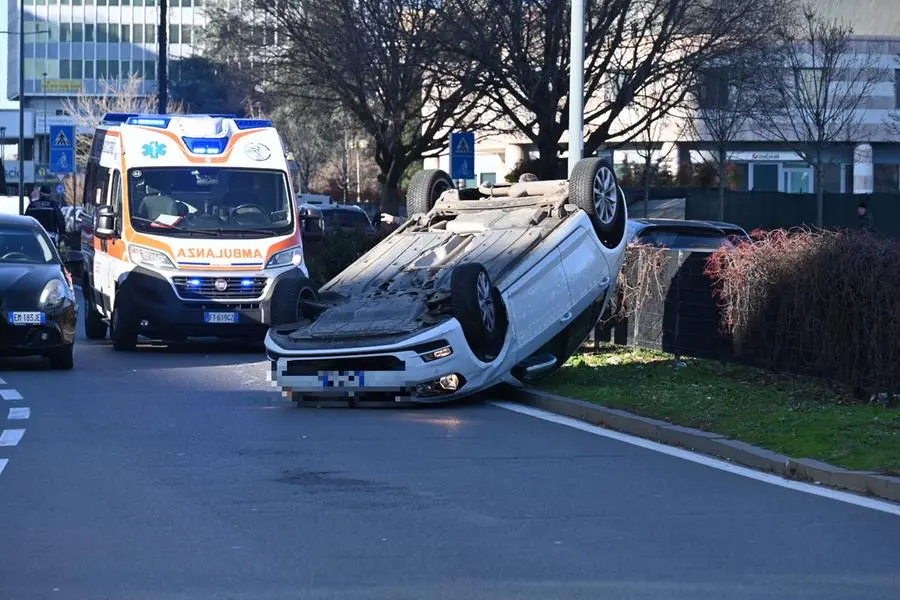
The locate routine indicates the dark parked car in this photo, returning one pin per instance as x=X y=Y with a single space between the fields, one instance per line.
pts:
x=679 y=234
x=38 y=314
x=332 y=219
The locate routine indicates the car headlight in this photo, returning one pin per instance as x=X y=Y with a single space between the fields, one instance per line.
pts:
x=291 y=256
x=55 y=294
x=146 y=257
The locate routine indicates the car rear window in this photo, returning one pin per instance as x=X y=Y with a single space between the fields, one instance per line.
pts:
x=698 y=239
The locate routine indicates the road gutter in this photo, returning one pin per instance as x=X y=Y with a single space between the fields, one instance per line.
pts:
x=798 y=469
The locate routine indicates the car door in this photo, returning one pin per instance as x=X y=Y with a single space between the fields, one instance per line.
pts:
x=587 y=271
x=538 y=303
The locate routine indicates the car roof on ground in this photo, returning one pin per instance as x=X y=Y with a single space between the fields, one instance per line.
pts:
x=17 y=221
x=688 y=223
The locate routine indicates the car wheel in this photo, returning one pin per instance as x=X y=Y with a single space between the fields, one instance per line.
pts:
x=425 y=188
x=594 y=188
x=62 y=359
x=478 y=307
x=94 y=327
x=122 y=329
x=289 y=299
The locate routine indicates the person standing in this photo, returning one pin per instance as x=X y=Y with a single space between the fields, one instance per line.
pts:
x=864 y=218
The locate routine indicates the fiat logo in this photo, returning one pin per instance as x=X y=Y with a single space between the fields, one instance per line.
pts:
x=221 y=285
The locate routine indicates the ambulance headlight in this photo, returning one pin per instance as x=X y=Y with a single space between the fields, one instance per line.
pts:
x=152 y=259
x=285 y=258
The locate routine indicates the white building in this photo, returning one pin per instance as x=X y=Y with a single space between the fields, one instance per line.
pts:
x=759 y=164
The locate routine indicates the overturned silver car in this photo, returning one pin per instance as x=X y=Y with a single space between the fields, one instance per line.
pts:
x=497 y=284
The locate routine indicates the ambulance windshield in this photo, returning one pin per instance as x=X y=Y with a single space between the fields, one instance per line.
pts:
x=230 y=202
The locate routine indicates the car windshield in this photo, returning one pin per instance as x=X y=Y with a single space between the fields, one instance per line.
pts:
x=20 y=245
x=179 y=200
x=346 y=218
x=681 y=239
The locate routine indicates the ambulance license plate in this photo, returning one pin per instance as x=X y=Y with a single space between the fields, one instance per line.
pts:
x=220 y=317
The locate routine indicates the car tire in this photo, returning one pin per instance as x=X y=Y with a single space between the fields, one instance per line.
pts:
x=425 y=188
x=94 y=326
x=478 y=306
x=594 y=188
x=62 y=359
x=122 y=328
x=288 y=299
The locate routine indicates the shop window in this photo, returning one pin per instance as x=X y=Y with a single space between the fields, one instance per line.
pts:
x=765 y=178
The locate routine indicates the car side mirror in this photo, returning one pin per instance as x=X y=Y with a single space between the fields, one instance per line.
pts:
x=106 y=222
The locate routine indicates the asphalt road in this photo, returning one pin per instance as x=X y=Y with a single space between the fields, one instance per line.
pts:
x=176 y=474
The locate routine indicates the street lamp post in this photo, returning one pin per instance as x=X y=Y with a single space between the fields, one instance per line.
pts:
x=576 y=84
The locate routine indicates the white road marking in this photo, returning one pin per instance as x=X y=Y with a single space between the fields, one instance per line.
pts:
x=19 y=413
x=11 y=437
x=721 y=465
x=10 y=395
x=3 y=462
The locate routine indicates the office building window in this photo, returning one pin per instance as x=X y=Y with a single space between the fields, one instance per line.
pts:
x=149 y=2
x=149 y=34
x=173 y=34
x=64 y=2
x=77 y=32
x=89 y=32
x=65 y=69
x=102 y=33
x=77 y=72
x=187 y=34
x=138 y=34
x=113 y=34
x=102 y=71
x=174 y=3
x=76 y=2
x=150 y=70
x=101 y=2
x=88 y=69
x=125 y=33
x=113 y=2
x=112 y=68
x=490 y=178
x=65 y=32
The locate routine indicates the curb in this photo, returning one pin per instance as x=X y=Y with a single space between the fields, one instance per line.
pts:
x=799 y=469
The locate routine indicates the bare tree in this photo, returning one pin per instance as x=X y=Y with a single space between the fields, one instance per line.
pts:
x=641 y=56
x=728 y=95
x=384 y=61
x=820 y=90
x=114 y=96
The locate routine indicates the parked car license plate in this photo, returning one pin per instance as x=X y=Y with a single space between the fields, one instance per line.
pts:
x=220 y=317
x=26 y=318
x=342 y=379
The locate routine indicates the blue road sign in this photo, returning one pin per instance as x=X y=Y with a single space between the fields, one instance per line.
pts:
x=462 y=155
x=62 y=160
x=60 y=189
x=62 y=149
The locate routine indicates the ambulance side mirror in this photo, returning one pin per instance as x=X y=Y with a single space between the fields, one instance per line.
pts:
x=106 y=222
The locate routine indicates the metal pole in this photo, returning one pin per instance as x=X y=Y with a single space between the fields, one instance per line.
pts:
x=576 y=84
x=162 y=73
x=21 y=107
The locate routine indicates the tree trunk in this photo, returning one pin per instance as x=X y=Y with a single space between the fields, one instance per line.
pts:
x=721 y=165
x=548 y=152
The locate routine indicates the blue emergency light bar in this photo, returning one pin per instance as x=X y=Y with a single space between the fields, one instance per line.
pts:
x=162 y=121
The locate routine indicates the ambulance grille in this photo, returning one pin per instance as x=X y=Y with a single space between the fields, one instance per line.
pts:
x=228 y=288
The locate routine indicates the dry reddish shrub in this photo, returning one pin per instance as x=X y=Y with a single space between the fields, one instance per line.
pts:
x=819 y=302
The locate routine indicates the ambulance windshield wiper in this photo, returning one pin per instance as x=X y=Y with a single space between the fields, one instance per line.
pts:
x=163 y=227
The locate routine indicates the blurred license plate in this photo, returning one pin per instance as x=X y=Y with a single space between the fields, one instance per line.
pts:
x=26 y=318
x=220 y=317
x=342 y=379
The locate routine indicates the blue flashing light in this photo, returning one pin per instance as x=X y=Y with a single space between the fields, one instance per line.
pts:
x=117 y=117
x=246 y=282
x=206 y=145
x=193 y=283
x=252 y=123
x=149 y=121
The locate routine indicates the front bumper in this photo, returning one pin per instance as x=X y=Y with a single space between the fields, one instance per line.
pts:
x=57 y=331
x=159 y=312
x=405 y=371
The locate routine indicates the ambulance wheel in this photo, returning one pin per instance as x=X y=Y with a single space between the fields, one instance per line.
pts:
x=122 y=328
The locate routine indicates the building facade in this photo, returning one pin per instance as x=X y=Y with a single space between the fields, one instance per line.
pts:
x=870 y=162
x=72 y=44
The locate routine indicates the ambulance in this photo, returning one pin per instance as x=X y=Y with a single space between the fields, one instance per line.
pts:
x=191 y=228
